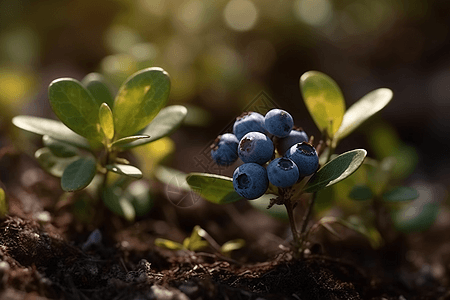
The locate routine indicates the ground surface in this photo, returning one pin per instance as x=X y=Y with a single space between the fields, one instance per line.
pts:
x=50 y=256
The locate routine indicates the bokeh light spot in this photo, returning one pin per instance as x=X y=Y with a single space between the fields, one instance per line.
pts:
x=240 y=15
x=313 y=12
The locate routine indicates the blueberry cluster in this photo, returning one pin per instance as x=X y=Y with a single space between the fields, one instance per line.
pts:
x=254 y=139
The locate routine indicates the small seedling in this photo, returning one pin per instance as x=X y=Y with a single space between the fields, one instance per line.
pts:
x=95 y=128
x=199 y=240
x=296 y=169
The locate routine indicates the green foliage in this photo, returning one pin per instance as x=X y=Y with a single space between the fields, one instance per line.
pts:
x=336 y=170
x=96 y=127
x=324 y=101
x=415 y=217
x=215 y=188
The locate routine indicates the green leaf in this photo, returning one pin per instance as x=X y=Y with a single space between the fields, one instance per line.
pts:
x=139 y=100
x=78 y=174
x=52 y=128
x=401 y=193
x=361 y=193
x=166 y=122
x=195 y=241
x=123 y=142
x=324 y=101
x=75 y=107
x=277 y=211
x=214 y=188
x=105 y=117
x=363 y=109
x=3 y=204
x=168 y=244
x=415 y=217
x=232 y=245
x=126 y=170
x=59 y=148
x=336 y=170
x=114 y=201
x=97 y=85
x=51 y=163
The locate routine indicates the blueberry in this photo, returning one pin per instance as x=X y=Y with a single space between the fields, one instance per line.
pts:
x=278 y=122
x=305 y=157
x=255 y=147
x=282 y=172
x=248 y=122
x=294 y=137
x=224 y=149
x=250 y=180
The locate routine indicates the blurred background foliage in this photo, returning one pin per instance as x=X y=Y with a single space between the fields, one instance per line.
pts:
x=222 y=54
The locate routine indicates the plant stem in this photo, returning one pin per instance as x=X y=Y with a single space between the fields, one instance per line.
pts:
x=307 y=214
x=290 y=211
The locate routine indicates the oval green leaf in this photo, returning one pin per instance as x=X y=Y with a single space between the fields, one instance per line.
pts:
x=232 y=245
x=51 y=163
x=115 y=202
x=52 y=128
x=126 y=170
x=129 y=139
x=214 y=188
x=415 y=217
x=362 y=110
x=336 y=170
x=105 y=117
x=361 y=193
x=59 y=148
x=168 y=244
x=99 y=88
x=276 y=211
x=75 y=107
x=324 y=100
x=166 y=122
x=401 y=193
x=78 y=174
x=140 y=99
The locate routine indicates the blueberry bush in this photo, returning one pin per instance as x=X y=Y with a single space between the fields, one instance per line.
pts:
x=283 y=166
x=94 y=130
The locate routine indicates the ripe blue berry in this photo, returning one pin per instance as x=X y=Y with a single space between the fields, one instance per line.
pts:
x=294 y=137
x=248 y=122
x=255 y=147
x=282 y=172
x=250 y=180
x=224 y=149
x=278 y=122
x=305 y=157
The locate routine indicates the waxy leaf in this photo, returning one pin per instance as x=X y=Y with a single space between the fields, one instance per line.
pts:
x=75 y=107
x=166 y=122
x=51 y=163
x=276 y=211
x=336 y=170
x=401 y=193
x=78 y=174
x=115 y=202
x=123 y=142
x=324 y=100
x=415 y=217
x=363 y=109
x=361 y=193
x=52 y=128
x=214 y=188
x=126 y=170
x=97 y=85
x=59 y=148
x=139 y=100
x=105 y=117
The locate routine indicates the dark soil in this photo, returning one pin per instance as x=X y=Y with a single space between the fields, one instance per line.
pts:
x=59 y=259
